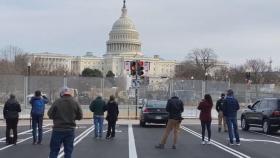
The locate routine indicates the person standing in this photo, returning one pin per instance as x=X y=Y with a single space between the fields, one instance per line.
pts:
x=174 y=107
x=10 y=112
x=64 y=111
x=98 y=107
x=205 y=107
x=112 y=117
x=221 y=117
x=230 y=108
x=37 y=114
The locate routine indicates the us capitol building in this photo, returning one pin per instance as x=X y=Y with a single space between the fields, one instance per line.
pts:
x=123 y=46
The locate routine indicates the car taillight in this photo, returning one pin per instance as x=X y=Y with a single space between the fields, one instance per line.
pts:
x=276 y=113
x=146 y=110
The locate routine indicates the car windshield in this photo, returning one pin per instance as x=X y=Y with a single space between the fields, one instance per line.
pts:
x=156 y=104
x=278 y=103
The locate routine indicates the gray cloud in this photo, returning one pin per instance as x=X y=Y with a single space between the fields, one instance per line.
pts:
x=237 y=30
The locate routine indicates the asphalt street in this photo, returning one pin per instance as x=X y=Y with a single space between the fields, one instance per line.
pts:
x=133 y=141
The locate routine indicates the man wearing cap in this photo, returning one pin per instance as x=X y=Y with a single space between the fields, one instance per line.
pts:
x=230 y=108
x=64 y=111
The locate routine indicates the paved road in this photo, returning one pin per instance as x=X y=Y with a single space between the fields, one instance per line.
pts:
x=133 y=141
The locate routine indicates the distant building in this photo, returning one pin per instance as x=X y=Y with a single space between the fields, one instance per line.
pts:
x=123 y=46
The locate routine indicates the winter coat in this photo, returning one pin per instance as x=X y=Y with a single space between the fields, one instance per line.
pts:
x=112 y=111
x=175 y=107
x=231 y=106
x=64 y=111
x=11 y=109
x=219 y=105
x=205 y=111
x=98 y=106
x=38 y=105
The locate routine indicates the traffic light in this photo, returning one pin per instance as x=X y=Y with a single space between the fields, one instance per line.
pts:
x=140 y=68
x=132 y=68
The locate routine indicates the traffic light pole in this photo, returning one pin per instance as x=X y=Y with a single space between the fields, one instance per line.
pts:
x=136 y=91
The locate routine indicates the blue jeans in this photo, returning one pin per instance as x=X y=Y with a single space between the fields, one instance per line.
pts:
x=59 y=137
x=37 y=122
x=98 y=123
x=232 y=129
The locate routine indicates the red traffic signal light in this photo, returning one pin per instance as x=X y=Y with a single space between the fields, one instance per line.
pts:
x=140 y=68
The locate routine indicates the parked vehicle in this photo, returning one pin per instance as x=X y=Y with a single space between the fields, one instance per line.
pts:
x=153 y=111
x=264 y=113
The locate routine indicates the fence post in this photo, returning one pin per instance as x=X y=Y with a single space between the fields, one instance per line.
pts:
x=25 y=91
x=203 y=89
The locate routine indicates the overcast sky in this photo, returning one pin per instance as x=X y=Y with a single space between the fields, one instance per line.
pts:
x=236 y=29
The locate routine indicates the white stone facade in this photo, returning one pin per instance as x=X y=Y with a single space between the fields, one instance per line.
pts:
x=123 y=45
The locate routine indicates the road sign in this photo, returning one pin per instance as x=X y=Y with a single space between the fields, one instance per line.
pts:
x=135 y=83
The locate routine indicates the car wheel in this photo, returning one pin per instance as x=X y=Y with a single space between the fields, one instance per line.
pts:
x=266 y=127
x=244 y=124
x=142 y=123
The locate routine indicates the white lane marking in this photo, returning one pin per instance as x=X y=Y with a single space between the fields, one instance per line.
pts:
x=131 y=142
x=22 y=141
x=24 y=132
x=259 y=140
x=217 y=144
x=77 y=140
x=264 y=134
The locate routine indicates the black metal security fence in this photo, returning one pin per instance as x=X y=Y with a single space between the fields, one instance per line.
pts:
x=87 y=88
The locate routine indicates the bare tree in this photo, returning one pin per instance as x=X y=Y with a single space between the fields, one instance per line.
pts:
x=257 y=67
x=237 y=74
x=186 y=70
x=222 y=74
x=13 y=60
x=204 y=59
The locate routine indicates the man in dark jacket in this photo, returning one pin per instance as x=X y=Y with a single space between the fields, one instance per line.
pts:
x=174 y=107
x=221 y=117
x=10 y=112
x=230 y=108
x=64 y=111
x=37 y=113
x=112 y=117
x=98 y=107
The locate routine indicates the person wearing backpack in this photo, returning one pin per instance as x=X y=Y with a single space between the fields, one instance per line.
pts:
x=37 y=113
x=10 y=112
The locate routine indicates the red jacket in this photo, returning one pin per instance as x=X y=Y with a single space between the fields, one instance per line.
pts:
x=205 y=111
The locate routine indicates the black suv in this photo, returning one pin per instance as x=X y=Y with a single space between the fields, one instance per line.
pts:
x=264 y=113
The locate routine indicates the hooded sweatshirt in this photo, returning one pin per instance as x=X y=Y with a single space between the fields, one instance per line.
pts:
x=11 y=109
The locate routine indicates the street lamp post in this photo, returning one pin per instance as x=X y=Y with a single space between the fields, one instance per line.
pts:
x=192 y=78
x=28 y=80
x=248 y=83
x=206 y=75
x=64 y=80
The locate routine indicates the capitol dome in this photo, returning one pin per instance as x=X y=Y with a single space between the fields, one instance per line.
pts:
x=123 y=38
